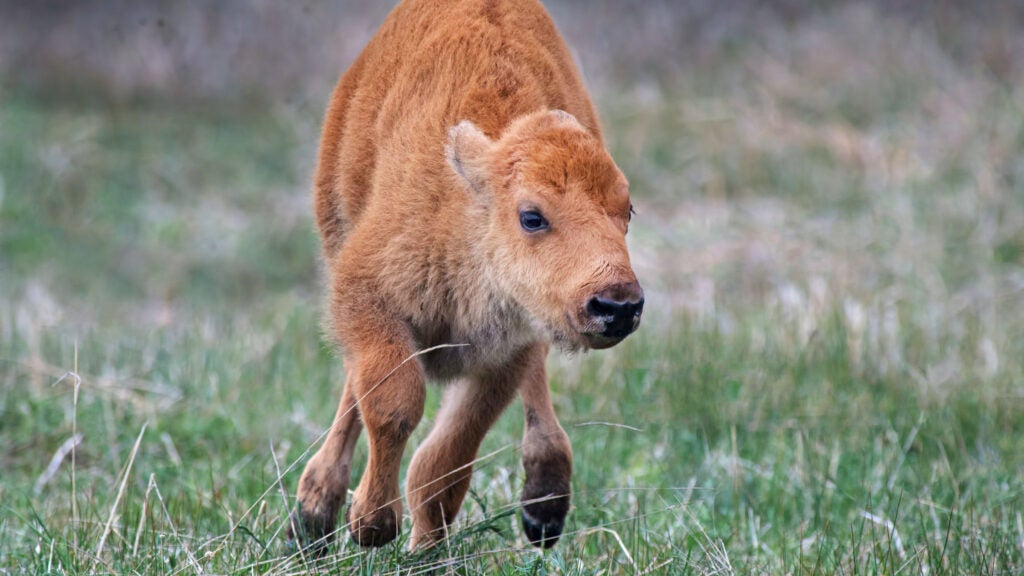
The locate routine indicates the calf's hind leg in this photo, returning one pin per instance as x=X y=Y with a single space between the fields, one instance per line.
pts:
x=324 y=483
x=385 y=393
x=390 y=390
x=547 y=462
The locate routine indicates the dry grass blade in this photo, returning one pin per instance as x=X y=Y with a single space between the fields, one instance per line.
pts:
x=54 y=465
x=605 y=530
x=610 y=425
x=120 y=491
x=290 y=519
x=142 y=514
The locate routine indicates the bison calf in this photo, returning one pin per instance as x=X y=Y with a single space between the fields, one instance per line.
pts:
x=463 y=196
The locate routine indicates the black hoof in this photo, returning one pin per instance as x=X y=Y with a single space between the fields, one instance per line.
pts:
x=374 y=529
x=542 y=534
x=545 y=505
x=313 y=533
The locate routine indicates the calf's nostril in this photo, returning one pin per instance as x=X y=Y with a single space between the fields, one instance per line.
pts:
x=638 y=308
x=603 y=307
x=598 y=306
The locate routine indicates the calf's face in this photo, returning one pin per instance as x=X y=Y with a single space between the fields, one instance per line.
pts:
x=558 y=210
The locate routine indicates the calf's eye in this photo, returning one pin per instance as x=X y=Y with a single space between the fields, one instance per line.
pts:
x=532 y=221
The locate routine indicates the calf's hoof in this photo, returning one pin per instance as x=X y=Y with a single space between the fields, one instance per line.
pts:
x=312 y=531
x=544 y=515
x=373 y=528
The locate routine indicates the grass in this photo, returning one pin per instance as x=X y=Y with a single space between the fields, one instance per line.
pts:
x=828 y=381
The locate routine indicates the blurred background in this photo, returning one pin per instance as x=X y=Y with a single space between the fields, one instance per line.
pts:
x=830 y=232
x=160 y=152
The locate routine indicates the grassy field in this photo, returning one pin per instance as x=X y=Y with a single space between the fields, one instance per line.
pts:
x=828 y=379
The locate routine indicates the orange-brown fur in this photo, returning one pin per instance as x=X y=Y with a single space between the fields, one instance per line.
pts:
x=458 y=116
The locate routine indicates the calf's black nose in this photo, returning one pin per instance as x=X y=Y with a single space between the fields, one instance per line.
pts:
x=620 y=317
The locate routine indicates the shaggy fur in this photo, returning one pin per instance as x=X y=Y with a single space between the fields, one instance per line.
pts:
x=457 y=118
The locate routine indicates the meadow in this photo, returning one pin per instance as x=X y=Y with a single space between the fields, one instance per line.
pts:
x=828 y=378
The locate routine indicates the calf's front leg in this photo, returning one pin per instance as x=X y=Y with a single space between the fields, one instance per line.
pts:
x=440 y=471
x=547 y=462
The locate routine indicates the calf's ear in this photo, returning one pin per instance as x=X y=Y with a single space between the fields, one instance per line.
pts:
x=467 y=153
x=564 y=117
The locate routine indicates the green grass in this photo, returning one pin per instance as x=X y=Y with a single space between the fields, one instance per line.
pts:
x=736 y=452
x=828 y=380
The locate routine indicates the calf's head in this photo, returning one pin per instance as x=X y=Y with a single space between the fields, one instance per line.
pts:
x=557 y=211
